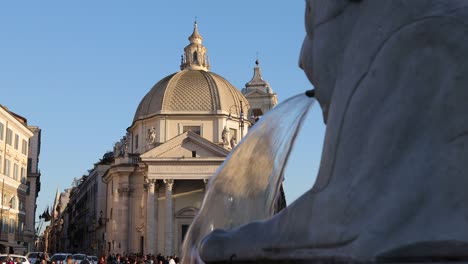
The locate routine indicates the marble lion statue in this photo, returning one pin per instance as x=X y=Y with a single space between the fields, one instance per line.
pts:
x=392 y=80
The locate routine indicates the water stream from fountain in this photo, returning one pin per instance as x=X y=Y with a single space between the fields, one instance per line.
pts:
x=247 y=185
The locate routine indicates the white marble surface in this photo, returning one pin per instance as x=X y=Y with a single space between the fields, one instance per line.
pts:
x=392 y=80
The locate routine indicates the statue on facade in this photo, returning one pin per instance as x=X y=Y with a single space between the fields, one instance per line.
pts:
x=152 y=135
x=233 y=141
x=225 y=136
x=117 y=149
x=124 y=146
x=391 y=78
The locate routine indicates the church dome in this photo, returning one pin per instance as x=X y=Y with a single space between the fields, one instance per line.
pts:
x=191 y=91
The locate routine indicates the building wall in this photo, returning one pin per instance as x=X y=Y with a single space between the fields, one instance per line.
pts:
x=14 y=138
x=124 y=198
x=136 y=212
x=33 y=183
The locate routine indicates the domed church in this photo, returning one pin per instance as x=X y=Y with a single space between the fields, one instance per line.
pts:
x=183 y=129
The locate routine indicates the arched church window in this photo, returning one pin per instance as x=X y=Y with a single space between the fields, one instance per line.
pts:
x=195 y=57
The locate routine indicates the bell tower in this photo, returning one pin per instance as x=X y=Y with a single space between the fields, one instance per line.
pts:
x=195 y=54
x=259 y=94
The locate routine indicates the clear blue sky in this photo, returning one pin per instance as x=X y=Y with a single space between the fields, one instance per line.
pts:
x=78 y=70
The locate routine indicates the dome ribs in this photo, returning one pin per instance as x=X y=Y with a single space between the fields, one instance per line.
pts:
x=190 y=91
x=235 y=96
x=152 y=100
x=214 y=91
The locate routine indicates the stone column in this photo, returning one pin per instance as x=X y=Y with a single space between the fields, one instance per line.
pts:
x=150 y=217
x=155 y=201
x=169 y=219
x=123 y=228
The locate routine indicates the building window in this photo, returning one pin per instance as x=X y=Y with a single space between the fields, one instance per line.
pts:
x=13 y=203
x=5 y=224
x=12 y=225
x=29 y=165
x=142 y=244
x=7 y=167
x=24 y=147
x=2 y=128
x=20 y=227
x=9 y=136
x=16 y=141
x=28 y=187
x=23 y=175
x=1 y=160
x=194 y=129
x=15 y=171
x=136 y=142
x=195 y=57
x=184 y=230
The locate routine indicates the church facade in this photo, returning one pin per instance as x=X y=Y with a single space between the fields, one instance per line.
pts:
x=182 y=131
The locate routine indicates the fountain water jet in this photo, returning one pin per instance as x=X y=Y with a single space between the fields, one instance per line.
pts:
x=246 y=187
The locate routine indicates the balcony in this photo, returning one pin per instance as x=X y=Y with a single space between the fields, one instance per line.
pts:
x=128 y=159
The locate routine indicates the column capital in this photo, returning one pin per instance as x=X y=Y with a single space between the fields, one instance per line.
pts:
x=205 y=182
x=169 y=184
x=150 y=183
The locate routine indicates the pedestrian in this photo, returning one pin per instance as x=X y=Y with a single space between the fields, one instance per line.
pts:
x=44 y=258
x=171 y=260
x=9 y=259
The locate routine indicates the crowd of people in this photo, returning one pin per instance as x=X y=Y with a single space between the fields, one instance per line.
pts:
x=139 y=259
x=111 y=259
x=11 y=260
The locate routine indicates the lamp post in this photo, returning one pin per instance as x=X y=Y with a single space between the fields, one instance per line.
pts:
x=241 y=116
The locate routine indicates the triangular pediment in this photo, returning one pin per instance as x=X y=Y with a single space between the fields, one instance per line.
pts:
x=184 y=146
x=256 y=93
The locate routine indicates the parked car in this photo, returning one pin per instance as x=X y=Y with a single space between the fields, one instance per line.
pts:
x=93 y=259
x=5 y=258
x=61 y=258
x=78 y=258
x=37 y=256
